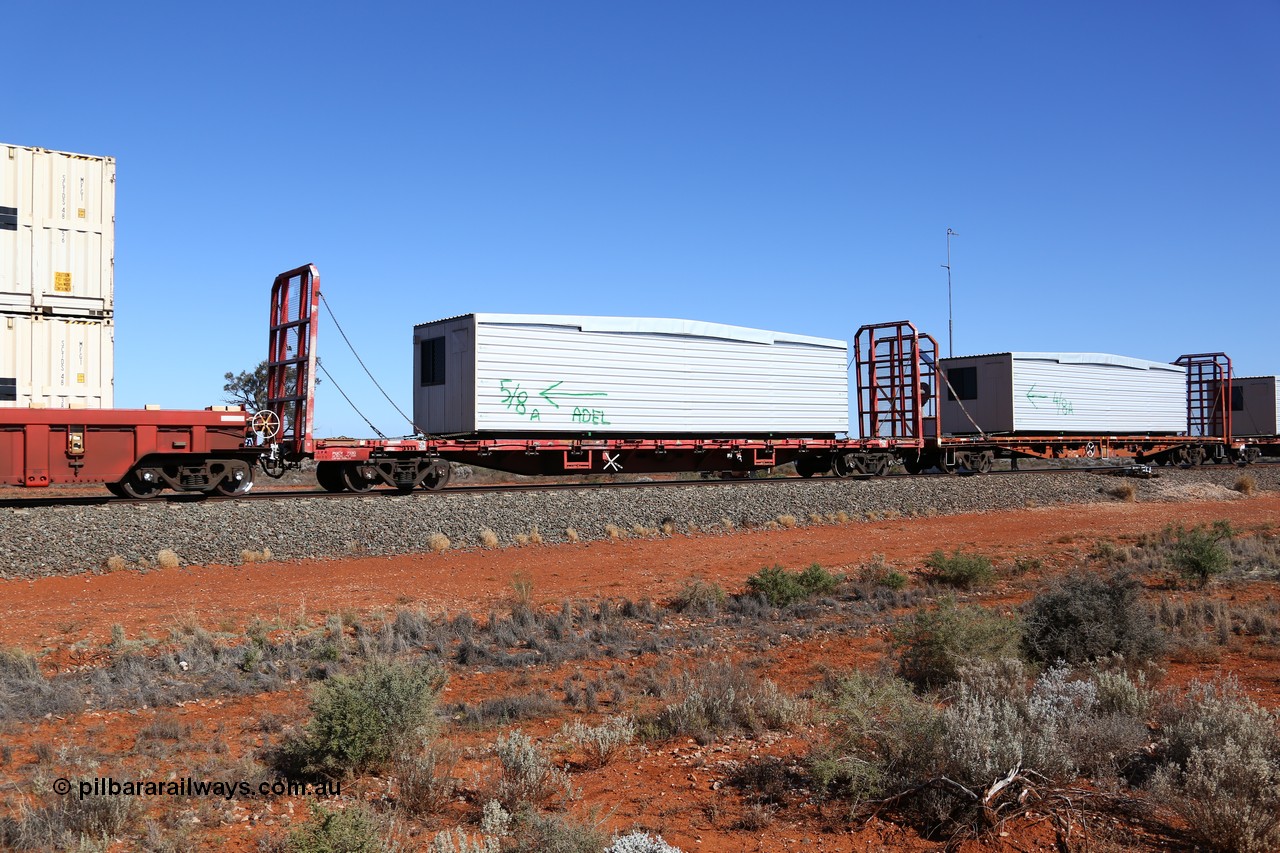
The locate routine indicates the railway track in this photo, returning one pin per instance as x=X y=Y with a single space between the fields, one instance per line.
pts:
x=103 y=499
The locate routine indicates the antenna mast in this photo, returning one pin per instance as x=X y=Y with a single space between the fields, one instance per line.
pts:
x=950 y=324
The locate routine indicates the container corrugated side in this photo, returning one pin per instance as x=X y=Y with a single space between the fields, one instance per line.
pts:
x=1097 y=393
x=57 y=362
x=1069 y=393
x=564 y=374
x=57 y=232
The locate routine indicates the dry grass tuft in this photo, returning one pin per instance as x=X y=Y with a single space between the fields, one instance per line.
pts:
x=1246 y=484
x=641 y=530
x=842 y=517
x=571 y=535
x=248 y=555
x=1126 y=492
x=772 y=525
x=115 y=563
x=727 y=524
x=817 y=518
x=167 y=559
x=438 y=542
x=615 y=532
x=535 y=537
x=668 y=528
x=693 y=528
x=488 y=538
x=787 y=521
x=522 y=539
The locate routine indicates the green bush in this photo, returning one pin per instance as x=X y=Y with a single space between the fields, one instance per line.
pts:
x=934 y=644
x=1223 y=767
x=780 y=587
x=1199 y=553
x=351 y=830
x=360 y=721
x=960 y=570
x=1085 y=617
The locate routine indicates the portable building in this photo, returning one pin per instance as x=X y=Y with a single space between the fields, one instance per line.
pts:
x=1055 y=393
x=1255 y=404
x=522 y=373
x=56 y=362
x=57 y=232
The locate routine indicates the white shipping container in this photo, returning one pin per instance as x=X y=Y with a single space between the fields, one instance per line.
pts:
x=1255 y=405
x=56 y=362
x=522 y=373
x=1053 y=393
x=57 y=232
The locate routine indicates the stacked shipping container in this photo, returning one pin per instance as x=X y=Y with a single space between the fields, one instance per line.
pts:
x=57 y=255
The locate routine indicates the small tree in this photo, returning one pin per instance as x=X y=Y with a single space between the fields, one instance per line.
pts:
x=249 y=388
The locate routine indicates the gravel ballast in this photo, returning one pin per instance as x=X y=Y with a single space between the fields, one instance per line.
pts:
x=68 y=540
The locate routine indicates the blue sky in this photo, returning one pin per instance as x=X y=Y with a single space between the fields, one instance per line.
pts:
x=1111 y=169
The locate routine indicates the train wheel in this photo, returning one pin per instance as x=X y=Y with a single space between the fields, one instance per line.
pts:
x=133 y=486
x=231 y=487
x=807 y=466
x=840 y=465
x=439 y=473
x=941 y=463
x=353 y=479
x=329 y=476
x=912 y=461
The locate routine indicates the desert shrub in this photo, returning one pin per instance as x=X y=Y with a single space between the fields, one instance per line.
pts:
x=25 y=693
x=528 y=776
x=350 y=830
x=62 y=823
x=722 y=697
x=940 y=765
x=880 y=573
x=640 y=842
x=780 y=587
x=537 y=832
x=960 y=570
x=1246 y=484
x=1086 y=617
x=934 y=644
x=427 y=783
x=1058 y=728
x=883 y=739
x=359 y=721
x=699 y=598
x=1126 y=492
x=1223 y=767
x=601 y=743
x=1198 y=553
x=505 y=709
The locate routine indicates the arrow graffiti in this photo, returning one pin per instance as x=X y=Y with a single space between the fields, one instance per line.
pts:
x=1032 y=397
x=545 y=393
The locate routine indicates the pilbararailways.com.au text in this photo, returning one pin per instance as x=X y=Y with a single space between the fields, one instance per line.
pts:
x=228 y=789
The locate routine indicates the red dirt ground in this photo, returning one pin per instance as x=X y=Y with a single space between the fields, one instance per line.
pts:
x=666 y=787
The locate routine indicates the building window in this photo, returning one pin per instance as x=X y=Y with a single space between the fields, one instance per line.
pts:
x=432 y=372
x=1237 y=398
x=963 y=382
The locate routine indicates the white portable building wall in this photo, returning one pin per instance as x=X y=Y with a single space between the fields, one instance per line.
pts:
x=1056 y=393
x=1255 y=405
x=57 y=232
x=56 y=362
x=523 y=373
